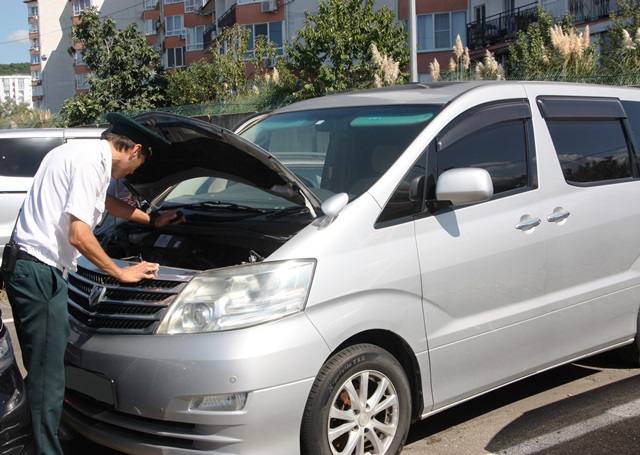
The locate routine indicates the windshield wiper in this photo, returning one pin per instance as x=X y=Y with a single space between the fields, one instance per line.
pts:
x=216 y=205
x=287 y=211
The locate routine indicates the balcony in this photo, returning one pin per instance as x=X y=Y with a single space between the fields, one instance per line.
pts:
x=502 y=27
x=209 y=35
x=228 y=18
x=591 y=10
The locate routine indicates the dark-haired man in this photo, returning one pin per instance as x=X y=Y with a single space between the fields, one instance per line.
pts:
x=66 y=201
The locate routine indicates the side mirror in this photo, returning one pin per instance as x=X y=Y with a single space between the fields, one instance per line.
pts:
x=334 y=205
x=467 y=185
x=416 y=189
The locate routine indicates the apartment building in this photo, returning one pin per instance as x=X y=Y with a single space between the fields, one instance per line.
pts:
x=17 y=88
x=494 y=24
x=57 y=73
x=278 y=20
x=438 y=24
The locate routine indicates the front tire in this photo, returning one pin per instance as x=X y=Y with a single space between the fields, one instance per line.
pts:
x=360 y=403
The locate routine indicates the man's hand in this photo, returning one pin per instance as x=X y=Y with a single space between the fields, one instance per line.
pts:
x=140 y=271
x=167 y=217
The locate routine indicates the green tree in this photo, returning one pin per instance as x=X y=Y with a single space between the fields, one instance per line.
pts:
x=332 y=51
x=126 y=73
x=620 y=50
x=218 y=79
x=552 y=51
x=8 y=69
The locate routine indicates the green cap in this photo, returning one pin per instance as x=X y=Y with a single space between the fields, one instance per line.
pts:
x=138 y=133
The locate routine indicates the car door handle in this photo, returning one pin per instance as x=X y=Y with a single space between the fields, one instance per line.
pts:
x=526 y=223
x=558 y=215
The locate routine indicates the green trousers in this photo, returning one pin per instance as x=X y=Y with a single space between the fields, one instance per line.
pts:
x=38 y=297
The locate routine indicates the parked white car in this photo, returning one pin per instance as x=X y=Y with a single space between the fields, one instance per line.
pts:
x=21 y=151
x=438 y=242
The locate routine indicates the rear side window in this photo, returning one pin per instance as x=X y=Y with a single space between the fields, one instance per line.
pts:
x=21 y=157
x=591 y=151
x=632 y=108
x=501 y=149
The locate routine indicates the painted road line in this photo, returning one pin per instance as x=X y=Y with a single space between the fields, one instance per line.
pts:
x=568 y=433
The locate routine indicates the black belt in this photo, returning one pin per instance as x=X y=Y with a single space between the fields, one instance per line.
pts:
x=27 y=257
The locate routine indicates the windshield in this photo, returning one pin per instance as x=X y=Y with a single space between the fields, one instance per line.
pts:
x=225 y=193
x=342 y=149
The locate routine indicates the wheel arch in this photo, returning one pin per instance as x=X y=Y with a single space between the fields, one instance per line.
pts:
x=402 y=352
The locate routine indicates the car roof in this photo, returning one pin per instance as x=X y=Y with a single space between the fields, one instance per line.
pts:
x=432 y=93
x=67 y=133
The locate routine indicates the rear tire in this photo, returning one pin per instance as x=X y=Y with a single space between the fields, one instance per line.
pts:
x=343 y=416
x=631 y=354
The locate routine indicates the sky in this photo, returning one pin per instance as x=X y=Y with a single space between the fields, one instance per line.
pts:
x=14 y=38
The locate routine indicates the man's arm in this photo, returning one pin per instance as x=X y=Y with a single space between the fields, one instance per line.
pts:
x=81 y=237
x=122 y=210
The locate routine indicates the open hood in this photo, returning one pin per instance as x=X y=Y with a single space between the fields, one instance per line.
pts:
x=198 y=148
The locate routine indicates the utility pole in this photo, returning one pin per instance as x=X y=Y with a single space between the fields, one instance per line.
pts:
x=413 y=40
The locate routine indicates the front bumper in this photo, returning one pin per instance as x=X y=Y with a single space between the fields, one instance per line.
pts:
x=156 y=377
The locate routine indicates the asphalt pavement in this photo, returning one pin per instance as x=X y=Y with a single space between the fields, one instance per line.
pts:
x=587 y=408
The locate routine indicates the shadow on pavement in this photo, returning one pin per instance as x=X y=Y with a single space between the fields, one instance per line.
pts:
x=585 y=423
x=497 y=399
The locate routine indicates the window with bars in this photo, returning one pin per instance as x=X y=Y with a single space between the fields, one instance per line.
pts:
x=439 y=30
x=173 y=25
x=195 y=38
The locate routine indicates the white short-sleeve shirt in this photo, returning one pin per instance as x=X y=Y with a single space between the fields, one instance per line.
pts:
x=72 y=180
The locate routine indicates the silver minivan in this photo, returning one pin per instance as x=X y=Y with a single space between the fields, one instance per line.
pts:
x=421 y=245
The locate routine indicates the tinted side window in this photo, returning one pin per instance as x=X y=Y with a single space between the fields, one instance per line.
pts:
x=501 y=149
x=400 y=206
x=21 y=157
x=632 y=109
x=591 y=151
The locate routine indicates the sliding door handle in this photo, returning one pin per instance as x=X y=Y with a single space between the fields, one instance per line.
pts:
x=526 y=223
x=558 y=215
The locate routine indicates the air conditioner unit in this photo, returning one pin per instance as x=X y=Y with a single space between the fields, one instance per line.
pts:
x=269 y=6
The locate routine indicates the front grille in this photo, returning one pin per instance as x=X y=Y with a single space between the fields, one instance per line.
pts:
x=121 y=308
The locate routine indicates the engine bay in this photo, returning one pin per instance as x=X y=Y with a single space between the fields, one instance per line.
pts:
x=205 y=241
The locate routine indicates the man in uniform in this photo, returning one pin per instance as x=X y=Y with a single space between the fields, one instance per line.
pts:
x=66 y=201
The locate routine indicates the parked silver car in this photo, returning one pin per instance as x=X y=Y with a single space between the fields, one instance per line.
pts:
x=434 y=243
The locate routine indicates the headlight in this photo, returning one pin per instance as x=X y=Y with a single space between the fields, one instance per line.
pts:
x=242 y=296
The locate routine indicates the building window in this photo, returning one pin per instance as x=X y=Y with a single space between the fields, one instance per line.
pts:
x=33 y=28
x=78 y=59
x=35 y=75
x=479 y=13
x=195 y=38
x=35 y=44
x=270 y=30
x=37 y=91
x=80 y=5
x=35 y=59
x=150 y=26
x=438 y=31
x=174 y=26
x=150 y=4
x=168 y=2
x=175 y=57
x=33 y=11
x=82 y=81
x=191 y=6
